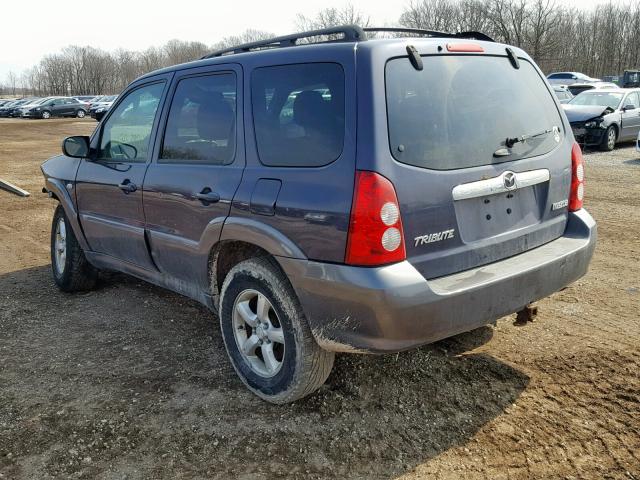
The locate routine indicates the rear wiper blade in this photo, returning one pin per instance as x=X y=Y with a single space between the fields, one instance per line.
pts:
x=510 y=142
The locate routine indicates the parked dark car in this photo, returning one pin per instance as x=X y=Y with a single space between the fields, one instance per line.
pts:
x=12 y=109
x=320 y=211
x=4 y=109
x=568 y=78
x=604 y=117
x=100 y=108
x=57 y=107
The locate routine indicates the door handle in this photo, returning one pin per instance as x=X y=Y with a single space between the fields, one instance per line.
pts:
x=127 y=186
x=206 y=196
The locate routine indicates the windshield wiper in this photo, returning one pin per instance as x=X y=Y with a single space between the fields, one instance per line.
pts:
x=510 y=142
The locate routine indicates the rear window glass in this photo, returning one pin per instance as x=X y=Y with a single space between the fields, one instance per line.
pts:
x=298 y=114
x=202 y=120
x=459 y=110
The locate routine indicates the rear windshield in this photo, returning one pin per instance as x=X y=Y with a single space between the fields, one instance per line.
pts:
x=459 y=110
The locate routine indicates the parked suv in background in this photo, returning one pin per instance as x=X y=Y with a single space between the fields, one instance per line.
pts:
x=57 y=107
x=324 y=198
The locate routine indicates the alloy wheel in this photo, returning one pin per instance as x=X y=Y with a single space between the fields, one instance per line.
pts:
x=60 y=246
x=611 y=139
x=258 y=333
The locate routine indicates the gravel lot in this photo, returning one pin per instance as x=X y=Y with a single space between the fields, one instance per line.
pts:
x=131 y=381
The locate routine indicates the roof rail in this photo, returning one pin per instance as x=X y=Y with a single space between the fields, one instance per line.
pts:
x=350 y=33
x=431 y=33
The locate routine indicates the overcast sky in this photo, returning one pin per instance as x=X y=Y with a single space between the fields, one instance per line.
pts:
x=31 y=29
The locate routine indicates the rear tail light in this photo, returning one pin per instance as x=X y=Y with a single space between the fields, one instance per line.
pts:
x=577 y=179
x=375 y=227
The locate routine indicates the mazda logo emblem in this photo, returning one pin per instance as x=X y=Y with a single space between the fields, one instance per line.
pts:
x=509 y=179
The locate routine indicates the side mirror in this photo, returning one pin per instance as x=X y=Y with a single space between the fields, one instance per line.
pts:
x=629 y=106
x=76 y=147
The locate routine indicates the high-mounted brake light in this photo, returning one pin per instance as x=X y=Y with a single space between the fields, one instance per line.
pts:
x=577 y=178
x=375 y=227
x=464 y=47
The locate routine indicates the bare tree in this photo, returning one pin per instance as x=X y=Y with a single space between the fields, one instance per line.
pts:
x=248 y=36
x=332 y=17
x=178 y=51
x=12 y=80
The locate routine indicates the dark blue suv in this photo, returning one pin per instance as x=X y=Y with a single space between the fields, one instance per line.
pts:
x=328 y=192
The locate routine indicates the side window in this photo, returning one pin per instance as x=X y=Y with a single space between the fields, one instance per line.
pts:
x=634 y=99
x=126 y=135
x=201 y=126
x=298 y=114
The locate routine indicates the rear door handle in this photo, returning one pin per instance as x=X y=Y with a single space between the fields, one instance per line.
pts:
x=127 y=186
x=206 y=196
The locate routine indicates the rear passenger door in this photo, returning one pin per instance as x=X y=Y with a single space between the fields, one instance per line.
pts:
x=196 y=169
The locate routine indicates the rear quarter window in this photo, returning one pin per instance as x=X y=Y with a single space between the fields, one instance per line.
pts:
x=298 y=114
x=459 y=110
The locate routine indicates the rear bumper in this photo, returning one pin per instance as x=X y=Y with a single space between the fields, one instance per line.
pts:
x=394 y=308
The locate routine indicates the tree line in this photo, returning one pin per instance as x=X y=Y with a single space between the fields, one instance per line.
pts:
x=602 y=41
x=598 y=42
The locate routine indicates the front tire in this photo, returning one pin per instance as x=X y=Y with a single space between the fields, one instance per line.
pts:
x=80 y=113
x=609 y=139
x=266 y=334
x=71 y=270
x=46 y=115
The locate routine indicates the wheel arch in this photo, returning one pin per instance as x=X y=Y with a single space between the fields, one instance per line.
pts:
x=616 y=127
x=56 y=189
x=241 y=239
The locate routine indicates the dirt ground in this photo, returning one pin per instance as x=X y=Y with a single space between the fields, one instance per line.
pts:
x=131 y=381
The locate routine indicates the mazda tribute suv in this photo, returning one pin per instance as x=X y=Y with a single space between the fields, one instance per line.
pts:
x=331 y=192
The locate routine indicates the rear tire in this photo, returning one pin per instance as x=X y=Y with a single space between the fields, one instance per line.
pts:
x=609 y=139
x=71 y=270
x=266 y=334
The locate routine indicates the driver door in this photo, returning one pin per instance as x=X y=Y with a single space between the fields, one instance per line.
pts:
x=109 y=184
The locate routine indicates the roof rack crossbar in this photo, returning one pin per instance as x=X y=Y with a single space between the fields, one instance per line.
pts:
x=431 y=33
x=351 y=33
